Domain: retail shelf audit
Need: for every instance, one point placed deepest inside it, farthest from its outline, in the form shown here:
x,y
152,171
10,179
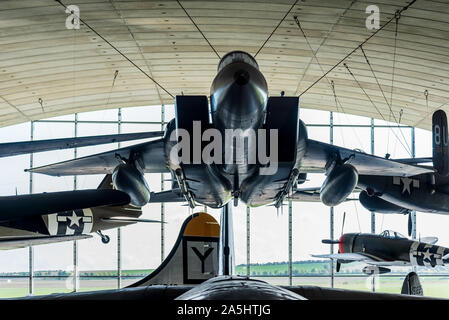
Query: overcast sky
x,y
269,229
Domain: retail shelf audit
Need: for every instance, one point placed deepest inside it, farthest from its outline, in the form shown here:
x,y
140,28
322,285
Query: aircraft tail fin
x,y
194,257
440,143
412,285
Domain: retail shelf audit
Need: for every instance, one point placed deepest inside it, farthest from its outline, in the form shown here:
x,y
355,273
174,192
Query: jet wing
x,y
415,160
16,148
319,153
167,196
22,242
152,154
344,256
311,194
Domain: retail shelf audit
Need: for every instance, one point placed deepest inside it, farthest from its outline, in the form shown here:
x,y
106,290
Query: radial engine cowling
x,y
376,204
339,184
127,178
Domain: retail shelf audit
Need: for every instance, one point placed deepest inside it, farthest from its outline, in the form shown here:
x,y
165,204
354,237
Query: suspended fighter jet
x,y
218,152
63,216
389,248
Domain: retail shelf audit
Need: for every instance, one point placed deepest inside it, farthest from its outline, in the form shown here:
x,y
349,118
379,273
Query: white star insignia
x,y
74,219
427,254
406,182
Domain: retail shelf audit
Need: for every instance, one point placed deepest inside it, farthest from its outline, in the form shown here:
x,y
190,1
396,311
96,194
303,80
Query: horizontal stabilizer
x,y
152,154
431,240
22,242
24,147
22,206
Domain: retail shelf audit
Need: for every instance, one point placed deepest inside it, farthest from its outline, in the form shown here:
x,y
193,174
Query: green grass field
x,y
275,273
433,286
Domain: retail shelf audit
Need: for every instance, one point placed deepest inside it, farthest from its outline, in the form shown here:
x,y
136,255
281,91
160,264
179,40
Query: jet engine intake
x,y
128,178
376,204
339,184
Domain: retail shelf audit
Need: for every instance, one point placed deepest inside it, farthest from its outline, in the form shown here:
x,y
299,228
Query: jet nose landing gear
x,y
104,238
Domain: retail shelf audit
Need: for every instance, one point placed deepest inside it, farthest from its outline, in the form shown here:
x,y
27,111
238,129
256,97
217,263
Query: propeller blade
x,y
410,224
16,148
343,224
338,266
328,241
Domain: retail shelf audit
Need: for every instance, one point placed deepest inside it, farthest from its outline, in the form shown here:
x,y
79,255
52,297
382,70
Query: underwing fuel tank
x,y
127,178
376,204
373,270
239,93
339,184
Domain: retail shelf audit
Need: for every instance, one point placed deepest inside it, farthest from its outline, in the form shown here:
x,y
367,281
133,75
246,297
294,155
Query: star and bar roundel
x,y
425,254
72,222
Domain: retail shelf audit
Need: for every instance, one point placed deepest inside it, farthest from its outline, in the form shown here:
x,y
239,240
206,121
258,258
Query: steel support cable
x,y
337,102
112,87
374,105
355,49
280,22
198,28
118,51
383,94
396,15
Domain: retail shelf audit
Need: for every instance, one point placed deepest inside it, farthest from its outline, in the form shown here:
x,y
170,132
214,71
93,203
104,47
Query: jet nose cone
x,y
241,77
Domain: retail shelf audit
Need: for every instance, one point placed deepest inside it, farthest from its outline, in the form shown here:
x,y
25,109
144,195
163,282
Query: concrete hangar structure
x,y
71,71
134,53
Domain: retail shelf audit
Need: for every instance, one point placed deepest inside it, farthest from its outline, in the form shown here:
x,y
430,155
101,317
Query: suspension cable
x,y
374,105
282,20
389,105
118,51
198,28
355,49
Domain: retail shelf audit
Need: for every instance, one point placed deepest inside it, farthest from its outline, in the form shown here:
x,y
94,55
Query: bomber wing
x,y
319,153
22,242
152,154
23,206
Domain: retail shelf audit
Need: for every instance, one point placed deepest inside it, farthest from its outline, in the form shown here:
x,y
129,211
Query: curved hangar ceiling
x,y
48,70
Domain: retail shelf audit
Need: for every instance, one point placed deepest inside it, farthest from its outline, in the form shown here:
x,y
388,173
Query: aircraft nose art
x,y
194,257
